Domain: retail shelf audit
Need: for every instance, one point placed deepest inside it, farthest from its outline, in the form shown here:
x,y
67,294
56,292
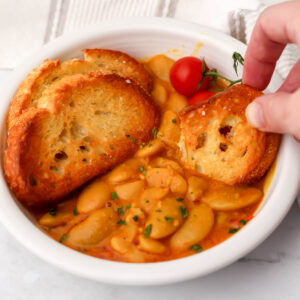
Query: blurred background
x,y
27,24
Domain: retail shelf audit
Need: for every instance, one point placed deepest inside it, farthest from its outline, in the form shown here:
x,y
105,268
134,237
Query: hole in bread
x,y
244,152
84,148
87,161
77,131
32,180
223,147
101,113
56,169
226,131
201,140
61,155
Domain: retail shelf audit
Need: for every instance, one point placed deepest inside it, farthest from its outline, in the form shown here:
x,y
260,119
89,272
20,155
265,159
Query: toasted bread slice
x,y
217,141
96,60
83,126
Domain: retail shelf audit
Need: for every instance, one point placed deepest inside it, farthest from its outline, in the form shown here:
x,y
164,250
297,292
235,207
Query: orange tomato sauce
x,y
128,237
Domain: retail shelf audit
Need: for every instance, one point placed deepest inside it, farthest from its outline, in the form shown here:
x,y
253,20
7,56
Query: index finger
x,y
276,27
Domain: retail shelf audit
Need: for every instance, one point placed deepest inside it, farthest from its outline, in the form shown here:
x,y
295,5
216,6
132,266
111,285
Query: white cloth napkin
x,y
27,24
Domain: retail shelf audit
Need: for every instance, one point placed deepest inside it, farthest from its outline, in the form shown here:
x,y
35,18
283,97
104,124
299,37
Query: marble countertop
x,y
271,271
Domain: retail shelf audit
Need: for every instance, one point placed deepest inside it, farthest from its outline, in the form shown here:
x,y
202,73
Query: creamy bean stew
x,y
150,208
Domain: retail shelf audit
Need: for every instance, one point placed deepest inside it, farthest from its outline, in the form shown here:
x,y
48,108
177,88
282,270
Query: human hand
x,y
277,26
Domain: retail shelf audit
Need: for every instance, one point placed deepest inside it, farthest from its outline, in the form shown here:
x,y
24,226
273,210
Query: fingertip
x,y
255,116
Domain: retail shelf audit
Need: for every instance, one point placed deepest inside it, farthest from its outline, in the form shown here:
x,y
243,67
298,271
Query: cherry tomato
x,y
200,97
186,74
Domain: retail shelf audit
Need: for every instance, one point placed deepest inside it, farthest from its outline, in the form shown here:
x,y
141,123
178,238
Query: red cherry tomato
x,y
186,74
200,97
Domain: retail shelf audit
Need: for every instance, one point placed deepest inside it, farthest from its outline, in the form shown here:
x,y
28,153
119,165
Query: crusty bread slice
x,y
217,140
83,126
96,60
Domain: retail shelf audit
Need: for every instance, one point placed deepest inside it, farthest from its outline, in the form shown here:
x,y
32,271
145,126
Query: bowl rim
x,y
16,221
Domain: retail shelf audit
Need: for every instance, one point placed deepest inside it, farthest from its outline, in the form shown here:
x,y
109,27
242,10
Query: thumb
x,y
277,112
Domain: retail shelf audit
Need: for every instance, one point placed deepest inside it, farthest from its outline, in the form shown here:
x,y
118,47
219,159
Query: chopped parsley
x,y
142,169
63,238
114,196
168,219
183,212
147,230
196,248
75,212
120,211
146,201
158,210
52,212
243,221
154,133
135,218
127,207
133,140
180,199
150,144
174,121
121,222
81,249
233,230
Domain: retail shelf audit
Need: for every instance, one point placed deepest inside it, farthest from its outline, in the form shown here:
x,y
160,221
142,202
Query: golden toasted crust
x,y
217,141
123,64
96,60
83,126
28,90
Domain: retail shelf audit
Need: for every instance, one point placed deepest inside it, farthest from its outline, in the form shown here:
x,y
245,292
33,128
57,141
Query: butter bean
x,y
196,227
100,224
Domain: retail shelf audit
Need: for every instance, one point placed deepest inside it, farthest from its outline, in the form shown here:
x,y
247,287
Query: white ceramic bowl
x,y
143,38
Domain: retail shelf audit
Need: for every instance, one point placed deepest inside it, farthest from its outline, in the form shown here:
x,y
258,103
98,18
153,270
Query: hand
x,y
277,26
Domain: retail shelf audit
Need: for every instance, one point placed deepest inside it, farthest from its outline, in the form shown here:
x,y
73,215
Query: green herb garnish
x,y
147,230
154,133
146,201
120,211
243,221
237,58
81,249
196,248
233,230
52,212
63,238
127,207
180,199
158,210
183,212
75,212
213,73
135,218
168,219
114,196
133,140
121,222
142,169
174,121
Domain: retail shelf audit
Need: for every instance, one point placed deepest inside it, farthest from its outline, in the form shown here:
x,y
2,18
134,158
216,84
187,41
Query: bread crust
x,y
83,126
96,60
217,141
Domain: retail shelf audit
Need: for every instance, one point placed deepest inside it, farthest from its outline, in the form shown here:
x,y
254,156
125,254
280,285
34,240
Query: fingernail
x,y
255,115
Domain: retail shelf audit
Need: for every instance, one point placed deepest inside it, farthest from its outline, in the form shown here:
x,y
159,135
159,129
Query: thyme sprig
x,y
213,73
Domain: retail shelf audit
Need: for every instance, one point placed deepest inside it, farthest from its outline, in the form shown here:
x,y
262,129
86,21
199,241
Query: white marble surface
x,y
271,271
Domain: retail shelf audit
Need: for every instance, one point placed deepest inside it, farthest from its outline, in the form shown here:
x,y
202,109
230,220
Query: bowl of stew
x,y
145,241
